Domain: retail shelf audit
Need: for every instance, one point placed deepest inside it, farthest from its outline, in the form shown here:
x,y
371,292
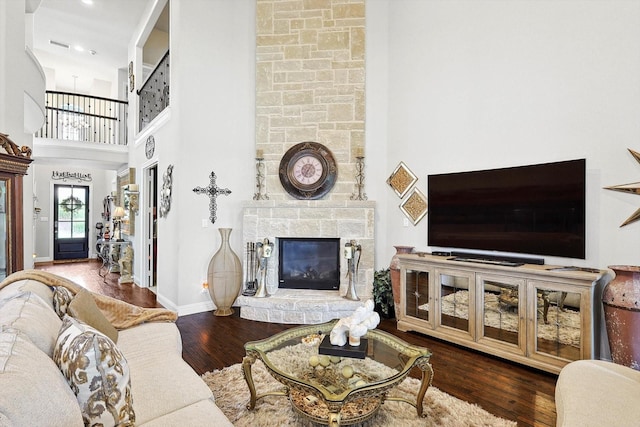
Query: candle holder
x,y
361,195
260,175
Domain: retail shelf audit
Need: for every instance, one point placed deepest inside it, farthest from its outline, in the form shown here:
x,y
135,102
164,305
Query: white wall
x,y
216,83
13,70
483,84
211,128
451,86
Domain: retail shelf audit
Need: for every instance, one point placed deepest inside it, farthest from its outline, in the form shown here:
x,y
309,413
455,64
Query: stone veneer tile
x,y
316,213
301,134
293,317
329,228
281,26
304,227
313,318
316,4
340,112
313,23
297,97
296,52
284,121
344,213
350,229
276,40
313,116
327,39
301,76
276,228
285,213
276,316
288,6
269,98
334,40
355,10
264,17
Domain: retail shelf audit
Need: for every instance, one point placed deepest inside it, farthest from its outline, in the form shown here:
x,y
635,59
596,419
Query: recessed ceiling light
x,y
89,2
79,48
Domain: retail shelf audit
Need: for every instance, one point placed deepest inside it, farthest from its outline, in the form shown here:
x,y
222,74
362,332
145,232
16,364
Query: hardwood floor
x,y
503,388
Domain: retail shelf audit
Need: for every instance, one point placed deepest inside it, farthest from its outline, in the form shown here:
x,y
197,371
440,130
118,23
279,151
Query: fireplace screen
x,y
309,263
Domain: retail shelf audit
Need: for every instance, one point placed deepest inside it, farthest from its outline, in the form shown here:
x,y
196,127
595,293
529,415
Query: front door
x,y
70,226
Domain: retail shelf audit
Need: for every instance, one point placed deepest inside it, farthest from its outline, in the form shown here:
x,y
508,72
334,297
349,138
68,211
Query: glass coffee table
x,y
336,390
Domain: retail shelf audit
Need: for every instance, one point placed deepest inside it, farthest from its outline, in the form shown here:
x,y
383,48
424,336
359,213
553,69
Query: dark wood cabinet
x,y
13,166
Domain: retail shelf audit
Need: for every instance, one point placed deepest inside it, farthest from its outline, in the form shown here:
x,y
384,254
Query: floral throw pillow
x,y
62,297
97,373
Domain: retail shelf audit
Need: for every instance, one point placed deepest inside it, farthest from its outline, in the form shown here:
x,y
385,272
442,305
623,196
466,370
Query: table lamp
x,y
118,214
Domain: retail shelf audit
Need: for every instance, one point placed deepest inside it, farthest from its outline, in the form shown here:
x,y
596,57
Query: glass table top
x,y
294,358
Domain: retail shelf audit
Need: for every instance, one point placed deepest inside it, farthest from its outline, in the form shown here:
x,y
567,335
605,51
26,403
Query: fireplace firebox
x,y
309,263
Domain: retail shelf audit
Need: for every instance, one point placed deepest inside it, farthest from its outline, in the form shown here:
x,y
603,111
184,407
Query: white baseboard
x,y
198,307
185,310
166,303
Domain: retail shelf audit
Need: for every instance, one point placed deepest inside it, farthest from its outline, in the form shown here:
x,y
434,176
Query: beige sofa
x,y
165,391
596,393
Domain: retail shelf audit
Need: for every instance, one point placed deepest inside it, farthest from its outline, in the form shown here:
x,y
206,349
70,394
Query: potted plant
x,y
383,293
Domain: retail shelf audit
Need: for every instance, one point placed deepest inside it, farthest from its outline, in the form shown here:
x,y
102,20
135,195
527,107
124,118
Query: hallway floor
x,y
87,274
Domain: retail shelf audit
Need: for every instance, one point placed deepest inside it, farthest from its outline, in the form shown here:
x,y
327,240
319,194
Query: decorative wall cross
x,y
213,192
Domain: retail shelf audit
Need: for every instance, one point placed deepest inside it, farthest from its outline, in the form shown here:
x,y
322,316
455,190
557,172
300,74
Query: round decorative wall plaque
x,y
150,147
308,170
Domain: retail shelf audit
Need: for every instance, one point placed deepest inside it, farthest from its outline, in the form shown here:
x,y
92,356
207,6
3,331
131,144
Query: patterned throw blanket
x,y
122,315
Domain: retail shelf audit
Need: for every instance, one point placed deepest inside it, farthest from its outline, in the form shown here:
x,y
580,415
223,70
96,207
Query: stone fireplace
x,y
346,220
310,86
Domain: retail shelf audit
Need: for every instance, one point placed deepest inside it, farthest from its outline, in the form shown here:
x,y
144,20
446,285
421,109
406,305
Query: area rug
x,y
232,395
563,325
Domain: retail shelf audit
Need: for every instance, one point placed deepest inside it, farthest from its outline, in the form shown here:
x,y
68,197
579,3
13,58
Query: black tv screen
x,y
535,209
309,263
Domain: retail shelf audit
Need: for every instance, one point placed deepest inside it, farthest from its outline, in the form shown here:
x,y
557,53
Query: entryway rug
x,y
232,395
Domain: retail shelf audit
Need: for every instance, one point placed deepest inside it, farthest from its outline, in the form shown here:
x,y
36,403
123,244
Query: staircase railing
x,y
154,93
75,117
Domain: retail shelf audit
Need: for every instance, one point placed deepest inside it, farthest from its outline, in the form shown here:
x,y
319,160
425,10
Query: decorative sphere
x,y
325,361
314,361
347,372
335,359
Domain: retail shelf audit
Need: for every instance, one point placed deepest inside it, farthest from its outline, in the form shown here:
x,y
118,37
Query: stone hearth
x,y
297,306
347,219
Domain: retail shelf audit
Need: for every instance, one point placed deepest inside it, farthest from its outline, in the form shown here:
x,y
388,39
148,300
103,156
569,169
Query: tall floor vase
x,y
621,301
224,276
394,268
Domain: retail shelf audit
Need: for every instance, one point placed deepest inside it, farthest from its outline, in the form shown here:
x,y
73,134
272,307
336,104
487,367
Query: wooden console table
x,y
553,315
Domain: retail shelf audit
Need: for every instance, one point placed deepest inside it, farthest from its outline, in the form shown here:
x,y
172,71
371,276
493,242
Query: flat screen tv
x,y
535,209
309,263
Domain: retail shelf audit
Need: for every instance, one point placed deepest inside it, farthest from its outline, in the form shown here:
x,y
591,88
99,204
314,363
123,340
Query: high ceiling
x,y
104,27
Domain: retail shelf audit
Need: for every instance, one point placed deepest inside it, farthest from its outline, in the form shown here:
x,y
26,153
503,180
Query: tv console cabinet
x,y
538,315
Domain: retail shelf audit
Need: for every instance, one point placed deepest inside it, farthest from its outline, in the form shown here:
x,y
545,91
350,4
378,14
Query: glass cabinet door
x,y
456,296
417,299
558,326
503,311
4,246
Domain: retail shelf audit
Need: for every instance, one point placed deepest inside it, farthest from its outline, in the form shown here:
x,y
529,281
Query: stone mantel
x,y
345,219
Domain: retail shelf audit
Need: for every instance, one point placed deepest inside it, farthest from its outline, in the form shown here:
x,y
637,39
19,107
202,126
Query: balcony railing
x,y
75,117
154,93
